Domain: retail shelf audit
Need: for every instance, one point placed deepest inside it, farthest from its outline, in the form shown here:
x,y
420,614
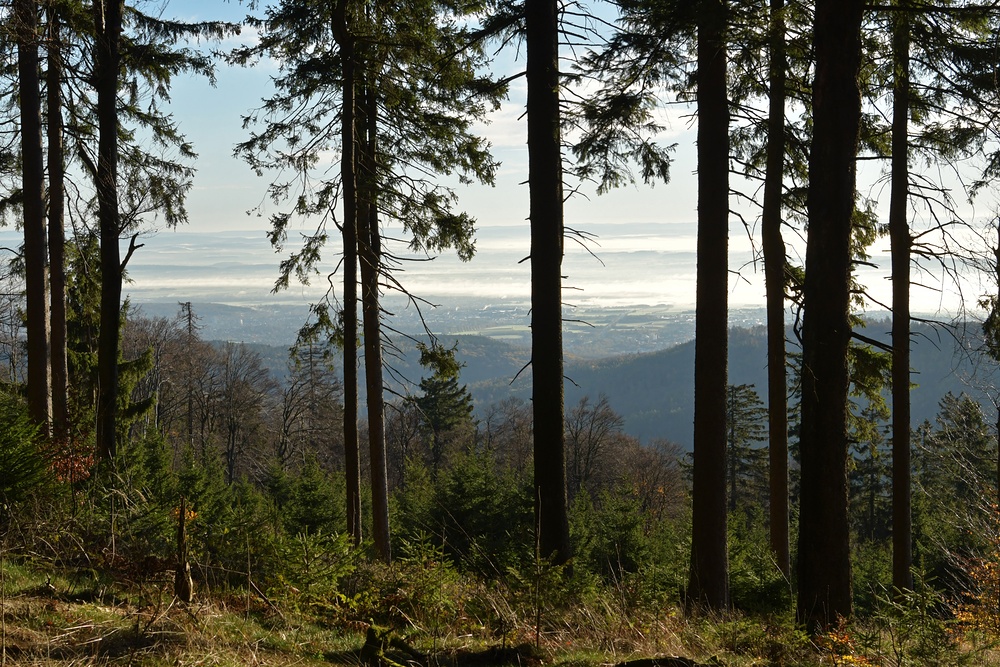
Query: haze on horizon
x,y
645,236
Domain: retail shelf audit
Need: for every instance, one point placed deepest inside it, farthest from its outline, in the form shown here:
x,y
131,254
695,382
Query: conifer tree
x,y
746,418
444,405
56,226
824,566
407,118
942,111
25,17
545,185
343,33
899,234
775,261
107,65
708,584
80,49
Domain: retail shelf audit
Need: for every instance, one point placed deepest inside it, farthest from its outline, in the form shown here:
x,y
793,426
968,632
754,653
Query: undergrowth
x,y
423,606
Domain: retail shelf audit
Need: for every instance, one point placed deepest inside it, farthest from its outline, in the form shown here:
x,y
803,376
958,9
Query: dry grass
x,y
55,620
43,627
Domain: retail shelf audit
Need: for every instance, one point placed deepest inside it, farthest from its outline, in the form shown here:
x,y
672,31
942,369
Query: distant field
x,y
588,331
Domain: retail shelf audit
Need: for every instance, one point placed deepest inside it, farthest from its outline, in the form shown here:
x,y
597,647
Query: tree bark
x,y
991,348
107,62
546,216
352,460
369,256
899,237
773,246
57,240
33,186
824,538
708,585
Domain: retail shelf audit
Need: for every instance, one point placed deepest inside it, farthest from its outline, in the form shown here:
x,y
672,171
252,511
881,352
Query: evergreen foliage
x,y
954,463
480,516
24,466
746,428
445,407
478,507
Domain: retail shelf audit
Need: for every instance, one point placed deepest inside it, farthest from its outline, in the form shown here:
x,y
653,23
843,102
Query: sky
x,y
647,224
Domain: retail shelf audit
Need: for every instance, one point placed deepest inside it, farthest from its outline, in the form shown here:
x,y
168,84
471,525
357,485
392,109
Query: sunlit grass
x,y
49,620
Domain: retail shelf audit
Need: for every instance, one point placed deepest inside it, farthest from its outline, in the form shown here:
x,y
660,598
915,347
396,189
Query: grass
x,y
80,619
51,620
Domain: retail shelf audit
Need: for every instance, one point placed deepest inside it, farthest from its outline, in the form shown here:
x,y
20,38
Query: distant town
x,y
589,332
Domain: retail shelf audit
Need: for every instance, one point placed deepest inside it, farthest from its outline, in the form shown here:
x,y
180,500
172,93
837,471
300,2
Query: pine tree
x,y
775,267
366,66
824,544
746,428
25,17
545,186
708,584
86,45
107,66
56,226
869,478
899,234
445,406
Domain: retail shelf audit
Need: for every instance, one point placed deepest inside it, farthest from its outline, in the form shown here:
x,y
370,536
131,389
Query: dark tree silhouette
x,y
708,585
32,187
900,240
107,65
546,215
56,227
824,550
775,261
343,33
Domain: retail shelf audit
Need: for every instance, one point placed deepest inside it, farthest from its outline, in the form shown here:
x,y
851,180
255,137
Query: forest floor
x,y
56,620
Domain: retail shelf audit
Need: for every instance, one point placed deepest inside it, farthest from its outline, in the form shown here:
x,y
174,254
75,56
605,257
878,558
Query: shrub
x,y
756,583
23,466
483,519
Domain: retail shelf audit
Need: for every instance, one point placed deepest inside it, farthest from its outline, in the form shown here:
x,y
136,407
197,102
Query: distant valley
x,y
641,358
591,332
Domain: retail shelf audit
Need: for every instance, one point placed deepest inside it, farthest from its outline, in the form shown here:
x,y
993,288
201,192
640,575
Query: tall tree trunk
x,y
991,345
773,246
708,585
33,187
107,59
352,460
899,237
57,239
546,216
369,255
824,536
187,312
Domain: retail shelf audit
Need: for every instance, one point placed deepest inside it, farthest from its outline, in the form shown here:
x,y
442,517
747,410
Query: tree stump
x,y
183,583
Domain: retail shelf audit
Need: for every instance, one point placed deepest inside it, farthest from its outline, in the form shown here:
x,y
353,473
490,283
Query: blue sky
x,y
225,188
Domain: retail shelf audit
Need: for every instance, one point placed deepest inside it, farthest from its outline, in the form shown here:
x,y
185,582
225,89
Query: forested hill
x,y
654,391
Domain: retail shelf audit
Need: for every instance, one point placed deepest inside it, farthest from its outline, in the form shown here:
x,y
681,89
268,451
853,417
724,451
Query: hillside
x,y
654,391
